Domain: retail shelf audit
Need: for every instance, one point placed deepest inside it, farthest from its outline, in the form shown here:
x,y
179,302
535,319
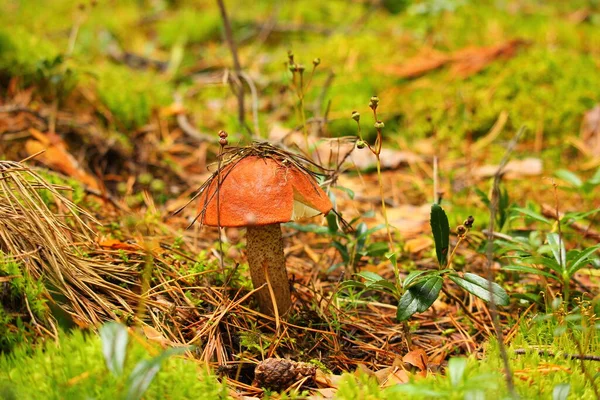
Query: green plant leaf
x,y
349,192
343,251
361,236
374,281
376,249
350,283
318,229
441,233
419,297
529,270
374,229
570,217
483,197
332,223
143,373
581,260
456,370
557,245
595,180
393,257
414,276
114,338
418,276
370,277
569,177
561,391
407,306
479,287
547,262
532,214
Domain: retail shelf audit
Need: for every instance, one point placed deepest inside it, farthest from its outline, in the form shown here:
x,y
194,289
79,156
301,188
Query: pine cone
x,y
278,373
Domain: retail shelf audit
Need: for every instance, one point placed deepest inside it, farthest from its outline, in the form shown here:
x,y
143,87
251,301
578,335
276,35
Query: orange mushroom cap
x,y
262,191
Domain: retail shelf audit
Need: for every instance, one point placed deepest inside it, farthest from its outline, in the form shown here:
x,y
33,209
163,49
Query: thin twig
x,y
591,378
185,125
586,357
236,62
254,94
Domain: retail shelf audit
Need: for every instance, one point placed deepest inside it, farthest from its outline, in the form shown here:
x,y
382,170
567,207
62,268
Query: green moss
x,y
132,95
22,53
21,298
76,370
189,25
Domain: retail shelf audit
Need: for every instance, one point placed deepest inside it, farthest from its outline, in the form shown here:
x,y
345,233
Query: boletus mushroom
x,y
261,191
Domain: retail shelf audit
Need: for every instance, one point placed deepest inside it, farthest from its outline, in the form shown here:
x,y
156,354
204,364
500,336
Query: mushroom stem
x,y
265,249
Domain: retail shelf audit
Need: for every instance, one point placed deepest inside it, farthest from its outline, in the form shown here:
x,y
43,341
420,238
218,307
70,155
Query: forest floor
x,y
109,121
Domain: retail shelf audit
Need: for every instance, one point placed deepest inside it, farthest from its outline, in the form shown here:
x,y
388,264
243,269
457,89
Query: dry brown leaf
x,y
155,336
590,131
418,244
383,373
391,376
172,109
361,368
465,62
469,61
397,377
324,380
417,358
407,219
516,168
419,65
58,158
580,15
116,244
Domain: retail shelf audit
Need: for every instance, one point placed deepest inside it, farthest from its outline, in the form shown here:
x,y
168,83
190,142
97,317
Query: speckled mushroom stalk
x,y
266,259
260,193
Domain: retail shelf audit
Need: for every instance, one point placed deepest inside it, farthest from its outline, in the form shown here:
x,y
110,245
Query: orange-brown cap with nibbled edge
x,y
262,191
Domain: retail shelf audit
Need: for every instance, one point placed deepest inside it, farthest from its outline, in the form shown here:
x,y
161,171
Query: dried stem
x,y
236,62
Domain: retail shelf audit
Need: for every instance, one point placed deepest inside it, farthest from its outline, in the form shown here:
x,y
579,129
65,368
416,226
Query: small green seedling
x,y
422,288
114,347
561,266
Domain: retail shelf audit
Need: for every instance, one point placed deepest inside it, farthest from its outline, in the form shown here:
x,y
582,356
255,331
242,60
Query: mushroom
x,y
259,193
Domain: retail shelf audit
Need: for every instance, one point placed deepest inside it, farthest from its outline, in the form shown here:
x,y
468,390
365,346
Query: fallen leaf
x,y
526,167
397,377
417,358
470,61
428,60
57,157
410,221
363,369
322,379
590,131
580,15
155,336
391,376
172,109
464,63
418,244
115,244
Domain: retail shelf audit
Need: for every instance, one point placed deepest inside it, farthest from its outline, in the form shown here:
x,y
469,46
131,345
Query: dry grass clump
x,y
50,244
